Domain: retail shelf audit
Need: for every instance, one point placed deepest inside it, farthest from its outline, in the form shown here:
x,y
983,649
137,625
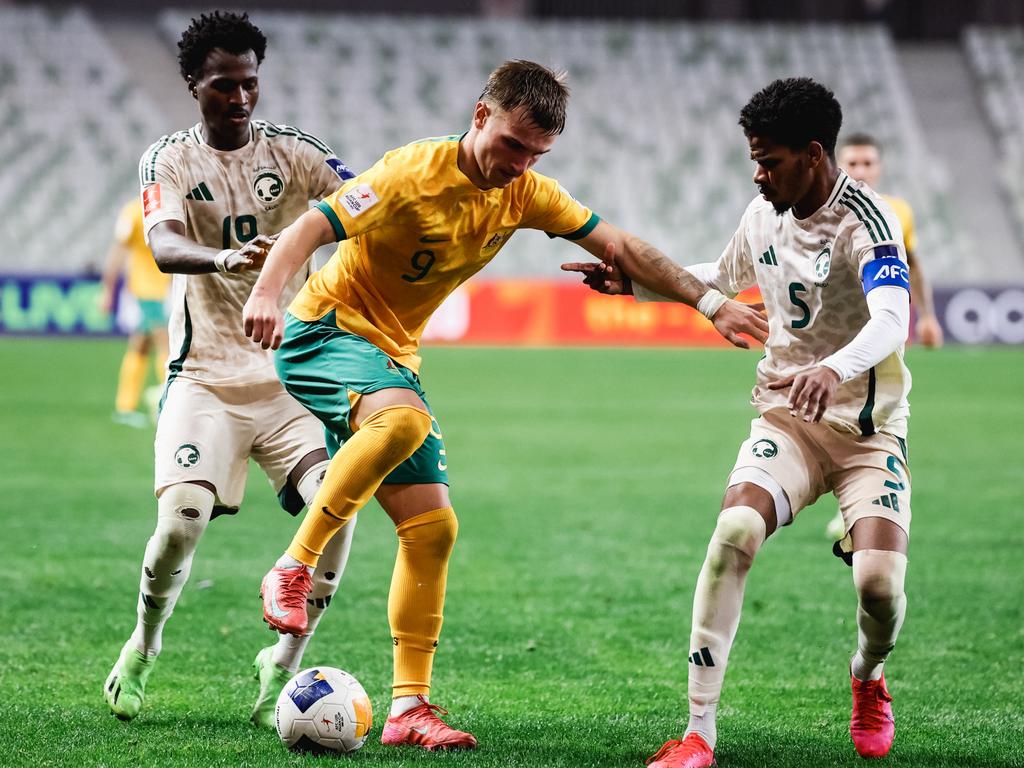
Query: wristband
x,y
710,303
220,261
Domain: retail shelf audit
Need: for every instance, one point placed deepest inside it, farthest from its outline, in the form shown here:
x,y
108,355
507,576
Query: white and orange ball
x,y
323,709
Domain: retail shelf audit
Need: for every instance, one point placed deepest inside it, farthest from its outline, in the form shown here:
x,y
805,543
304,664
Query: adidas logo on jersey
x,y
769,257
200,192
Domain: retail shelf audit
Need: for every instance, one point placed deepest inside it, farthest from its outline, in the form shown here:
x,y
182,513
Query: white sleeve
x,y
708,273
882,335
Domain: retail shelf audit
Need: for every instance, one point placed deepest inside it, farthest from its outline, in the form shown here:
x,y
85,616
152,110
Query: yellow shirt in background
x,y
906,216
145,280
413,228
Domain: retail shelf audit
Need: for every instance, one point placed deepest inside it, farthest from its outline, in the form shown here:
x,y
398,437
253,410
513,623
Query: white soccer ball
x,y
322,710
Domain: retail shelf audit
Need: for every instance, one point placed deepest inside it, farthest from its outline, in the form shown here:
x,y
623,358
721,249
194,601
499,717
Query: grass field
x,y
587,483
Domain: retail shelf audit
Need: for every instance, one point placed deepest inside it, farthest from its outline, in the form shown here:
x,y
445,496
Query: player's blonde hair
x,y
542,92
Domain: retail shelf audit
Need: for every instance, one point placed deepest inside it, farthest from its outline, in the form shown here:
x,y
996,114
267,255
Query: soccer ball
x,y
323,710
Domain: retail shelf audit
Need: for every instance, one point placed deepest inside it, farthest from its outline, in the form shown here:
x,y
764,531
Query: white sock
x,y
183,512
717,601
879,577
402,704
289,649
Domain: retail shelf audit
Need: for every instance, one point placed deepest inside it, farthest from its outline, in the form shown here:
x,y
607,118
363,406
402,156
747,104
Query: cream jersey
x,y
225,199
813,275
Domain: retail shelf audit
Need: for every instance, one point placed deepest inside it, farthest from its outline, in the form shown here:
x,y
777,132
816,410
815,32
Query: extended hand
x,y
811,392
250,256
929,332
262,321
735,317
602,276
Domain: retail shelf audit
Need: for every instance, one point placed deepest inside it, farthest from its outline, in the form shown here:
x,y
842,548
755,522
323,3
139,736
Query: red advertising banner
x,y
552,313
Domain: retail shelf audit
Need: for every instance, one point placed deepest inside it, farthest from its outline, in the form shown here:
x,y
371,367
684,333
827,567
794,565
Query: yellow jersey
x,y
906,216
145,280
412,229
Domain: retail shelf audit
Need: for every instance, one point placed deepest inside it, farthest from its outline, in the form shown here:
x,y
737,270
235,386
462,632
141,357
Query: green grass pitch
x,y
587,484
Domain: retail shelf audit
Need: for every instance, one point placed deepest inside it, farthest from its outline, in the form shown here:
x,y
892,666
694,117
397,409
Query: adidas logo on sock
x,y
702,658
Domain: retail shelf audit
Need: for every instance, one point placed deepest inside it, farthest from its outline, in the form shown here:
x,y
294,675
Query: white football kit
x,y
223,401
822,279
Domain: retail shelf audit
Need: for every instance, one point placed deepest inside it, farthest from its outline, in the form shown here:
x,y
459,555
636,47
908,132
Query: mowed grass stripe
x,y
586,482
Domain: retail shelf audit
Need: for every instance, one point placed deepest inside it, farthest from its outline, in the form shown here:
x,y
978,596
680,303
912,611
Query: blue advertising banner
x,y
53,305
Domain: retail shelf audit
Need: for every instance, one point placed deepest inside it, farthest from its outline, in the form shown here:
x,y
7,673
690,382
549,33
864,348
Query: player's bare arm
x,y
174,252
927,328
640,261
261,318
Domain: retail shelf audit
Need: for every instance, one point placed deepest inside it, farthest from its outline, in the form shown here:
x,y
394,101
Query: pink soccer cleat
x,y
691,752
421,727
871,725
284,592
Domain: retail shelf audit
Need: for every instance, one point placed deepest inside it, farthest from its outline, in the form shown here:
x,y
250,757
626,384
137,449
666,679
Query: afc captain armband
x,y
885,270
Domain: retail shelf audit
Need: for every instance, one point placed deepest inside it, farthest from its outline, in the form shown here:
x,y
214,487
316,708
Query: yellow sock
x,y
384,440
416,600
130,381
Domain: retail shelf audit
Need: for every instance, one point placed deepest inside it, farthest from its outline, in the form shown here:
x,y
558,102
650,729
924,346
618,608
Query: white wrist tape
x,y
710,303
220,261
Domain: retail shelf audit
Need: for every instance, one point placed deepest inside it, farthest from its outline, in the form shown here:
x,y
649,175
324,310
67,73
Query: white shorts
x,y
209,433
868,475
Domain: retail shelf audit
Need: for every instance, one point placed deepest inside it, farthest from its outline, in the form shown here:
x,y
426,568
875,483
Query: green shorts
x,y
152,317
321,366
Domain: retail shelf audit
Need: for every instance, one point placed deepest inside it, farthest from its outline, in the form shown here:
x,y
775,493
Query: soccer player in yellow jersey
x,y
420,222
861,156
147,286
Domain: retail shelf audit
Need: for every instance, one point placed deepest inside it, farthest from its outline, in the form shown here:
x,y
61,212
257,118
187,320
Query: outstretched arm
x,y
261,318
174,252
642,263
927,328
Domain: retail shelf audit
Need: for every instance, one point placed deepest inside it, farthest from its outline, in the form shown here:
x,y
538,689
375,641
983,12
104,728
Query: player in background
x,y
827,254
146,288
213,195
860,156
416,225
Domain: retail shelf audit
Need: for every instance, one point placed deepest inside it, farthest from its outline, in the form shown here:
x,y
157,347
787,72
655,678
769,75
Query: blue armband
x,y
887,270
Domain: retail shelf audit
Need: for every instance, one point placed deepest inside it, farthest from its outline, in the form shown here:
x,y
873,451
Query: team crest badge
x,y
496,241
765,449
822,264
268,186
187,456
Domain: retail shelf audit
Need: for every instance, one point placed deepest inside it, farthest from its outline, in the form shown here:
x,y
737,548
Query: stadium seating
x,y
71,132
651,143
996,56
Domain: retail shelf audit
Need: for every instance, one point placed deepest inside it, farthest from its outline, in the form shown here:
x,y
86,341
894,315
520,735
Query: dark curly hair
x,y
794,112
220,29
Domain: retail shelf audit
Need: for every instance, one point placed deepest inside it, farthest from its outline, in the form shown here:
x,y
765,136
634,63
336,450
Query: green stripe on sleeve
x,y
859,213
585,230
339,228
881,218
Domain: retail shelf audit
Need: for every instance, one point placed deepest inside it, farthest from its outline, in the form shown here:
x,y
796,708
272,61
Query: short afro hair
x,y
220,29
794,112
